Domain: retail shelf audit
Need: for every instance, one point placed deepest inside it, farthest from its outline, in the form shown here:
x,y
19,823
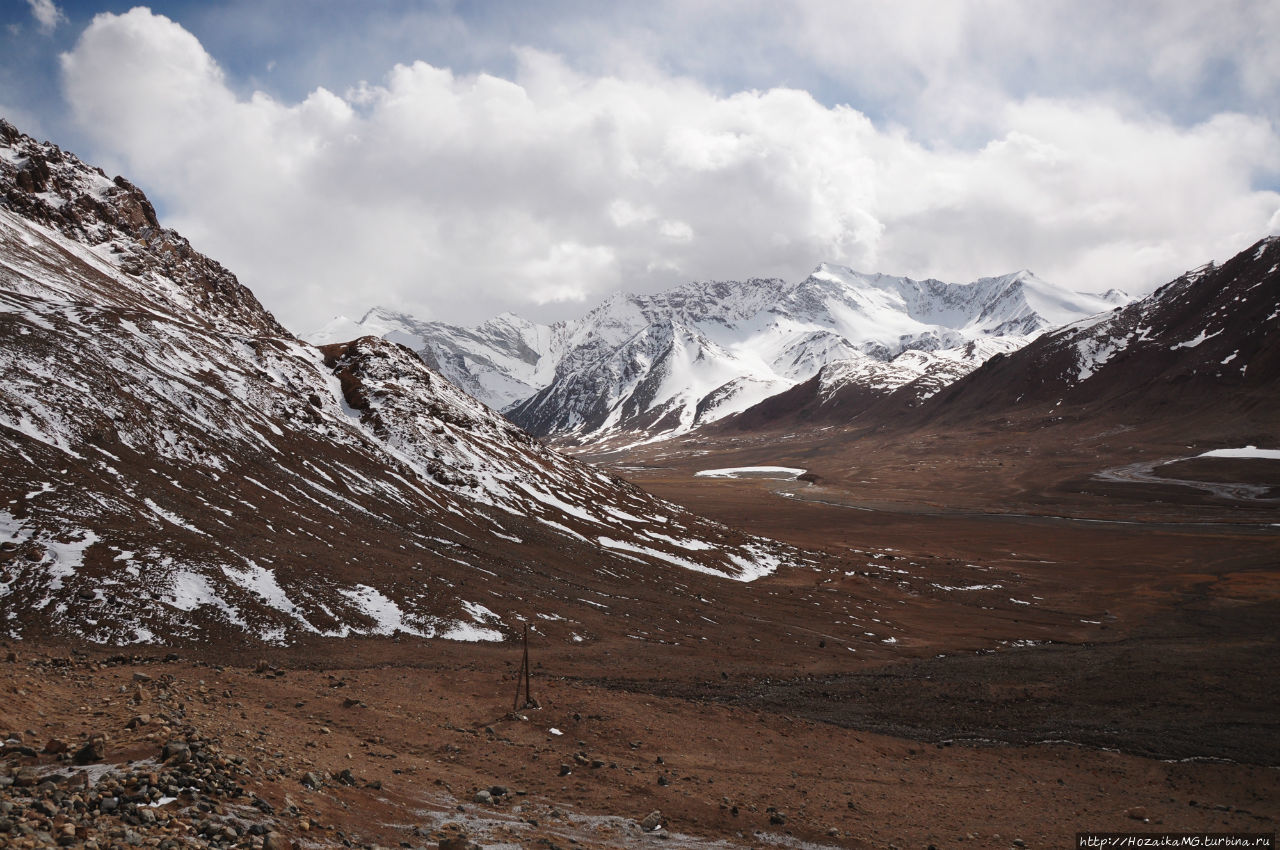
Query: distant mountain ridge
x,y
642,366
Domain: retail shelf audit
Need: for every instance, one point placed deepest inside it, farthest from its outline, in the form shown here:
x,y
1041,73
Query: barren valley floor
x,y
940,677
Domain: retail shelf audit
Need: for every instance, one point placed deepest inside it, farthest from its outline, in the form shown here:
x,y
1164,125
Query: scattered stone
x,y
483,797
311,780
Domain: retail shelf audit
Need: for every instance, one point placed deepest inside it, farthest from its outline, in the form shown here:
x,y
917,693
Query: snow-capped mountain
x,y
500,362
175,466
640,366
1206,343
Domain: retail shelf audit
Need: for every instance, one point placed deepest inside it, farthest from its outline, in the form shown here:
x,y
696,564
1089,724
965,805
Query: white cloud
x,y
463,195
47,14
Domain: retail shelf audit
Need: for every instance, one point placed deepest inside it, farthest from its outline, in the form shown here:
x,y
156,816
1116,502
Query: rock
x,y
565,770
311,780
458,842
95,749
274,841
54,746
651,821
498,790
777,818
26,777
175,753
108,804
1137,812
483,797
138,720
346,777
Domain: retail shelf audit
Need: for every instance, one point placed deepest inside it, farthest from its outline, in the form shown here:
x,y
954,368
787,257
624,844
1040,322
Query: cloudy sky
x,y
461,159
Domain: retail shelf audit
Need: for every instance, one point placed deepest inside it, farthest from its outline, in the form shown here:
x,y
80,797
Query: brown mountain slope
x,y
177,467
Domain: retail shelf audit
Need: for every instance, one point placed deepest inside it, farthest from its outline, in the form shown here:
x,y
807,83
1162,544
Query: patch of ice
x,y
782,472
1247,451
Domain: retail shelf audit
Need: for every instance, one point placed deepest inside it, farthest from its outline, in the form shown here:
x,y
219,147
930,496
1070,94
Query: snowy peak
x,y
1018,303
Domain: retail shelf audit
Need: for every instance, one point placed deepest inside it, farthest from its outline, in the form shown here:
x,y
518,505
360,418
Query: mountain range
x,y
178,467
644,366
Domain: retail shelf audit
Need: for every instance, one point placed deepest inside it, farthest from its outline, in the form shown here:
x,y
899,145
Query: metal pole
x,y
528,696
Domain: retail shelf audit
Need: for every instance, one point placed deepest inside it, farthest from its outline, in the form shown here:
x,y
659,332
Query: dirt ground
x,y
946,675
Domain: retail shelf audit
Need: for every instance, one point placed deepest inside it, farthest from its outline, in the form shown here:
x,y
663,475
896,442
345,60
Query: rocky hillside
x,y
1203,350
177,467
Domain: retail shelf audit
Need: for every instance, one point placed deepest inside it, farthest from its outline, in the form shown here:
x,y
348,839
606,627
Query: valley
x,y
943,675
985,565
